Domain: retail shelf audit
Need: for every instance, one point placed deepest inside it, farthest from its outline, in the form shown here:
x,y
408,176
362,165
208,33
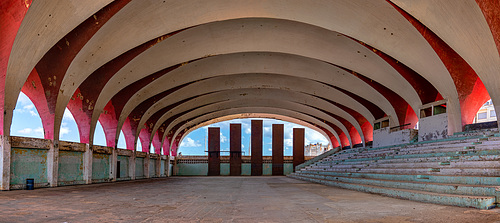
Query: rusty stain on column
x,y
213,151
256,148
235,149
278,131
298,146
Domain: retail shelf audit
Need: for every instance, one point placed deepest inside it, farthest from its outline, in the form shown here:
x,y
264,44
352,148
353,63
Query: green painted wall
x,y
288,168
28,163
139,167
224,169
162,167
152,167
246,169
192,169
100,167
70,168
123,166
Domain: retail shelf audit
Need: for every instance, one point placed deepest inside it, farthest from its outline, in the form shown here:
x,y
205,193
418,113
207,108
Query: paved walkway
x,y
221,199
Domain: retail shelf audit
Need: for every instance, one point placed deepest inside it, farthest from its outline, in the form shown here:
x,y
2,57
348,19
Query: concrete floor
x,y
221,199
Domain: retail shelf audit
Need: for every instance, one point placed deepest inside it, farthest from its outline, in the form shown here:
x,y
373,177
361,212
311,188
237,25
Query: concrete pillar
x,y
213,151
256,147
298,146
235,149
113,167
278,132
87,164
53,163
167,166
146,166
5,152
131,166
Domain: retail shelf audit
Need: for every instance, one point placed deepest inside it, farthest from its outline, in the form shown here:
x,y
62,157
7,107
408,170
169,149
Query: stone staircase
x,y
461,170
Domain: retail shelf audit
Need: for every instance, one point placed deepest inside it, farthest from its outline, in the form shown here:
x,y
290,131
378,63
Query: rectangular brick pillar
x,y
235,149
87,164
5,151
213,151
256,147
298,146
278,132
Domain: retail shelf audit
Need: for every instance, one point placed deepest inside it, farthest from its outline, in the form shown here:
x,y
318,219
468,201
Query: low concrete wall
x,y
386,137
198,166
70,168
124,167
28,163
433,127
139,167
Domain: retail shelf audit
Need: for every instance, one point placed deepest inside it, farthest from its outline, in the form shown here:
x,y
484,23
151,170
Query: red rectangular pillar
x,y
213,151
235,149
256,147
278,131
298,146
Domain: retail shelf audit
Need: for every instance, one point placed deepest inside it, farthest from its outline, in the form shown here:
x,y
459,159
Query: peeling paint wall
x,y
28,163
384,137
124,165
162,167
433,127
70,168
100,168
139,168
152,168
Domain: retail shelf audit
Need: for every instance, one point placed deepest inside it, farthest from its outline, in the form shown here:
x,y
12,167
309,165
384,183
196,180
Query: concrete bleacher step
x,y
462,189
430,178
420,170
481,202
432,164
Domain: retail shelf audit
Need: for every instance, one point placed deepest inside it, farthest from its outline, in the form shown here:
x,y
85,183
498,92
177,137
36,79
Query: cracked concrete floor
x,y
221,199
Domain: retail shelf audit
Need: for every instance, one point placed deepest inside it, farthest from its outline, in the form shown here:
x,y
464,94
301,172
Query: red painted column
x,y
256,147
213,151
278,132
298,146
235,149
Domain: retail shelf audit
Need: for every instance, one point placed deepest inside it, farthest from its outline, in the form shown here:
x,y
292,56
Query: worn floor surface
x,y
221,199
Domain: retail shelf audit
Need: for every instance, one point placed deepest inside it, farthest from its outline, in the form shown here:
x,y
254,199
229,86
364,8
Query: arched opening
x,y
121,141
26,121
138,146
196,142
69,129
99,136
486,113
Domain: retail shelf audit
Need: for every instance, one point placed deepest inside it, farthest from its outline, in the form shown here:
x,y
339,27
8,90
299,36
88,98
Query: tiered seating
x,y
461,171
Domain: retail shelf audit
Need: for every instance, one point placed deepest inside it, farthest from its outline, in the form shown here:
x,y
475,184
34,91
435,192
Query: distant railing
x,y
317,158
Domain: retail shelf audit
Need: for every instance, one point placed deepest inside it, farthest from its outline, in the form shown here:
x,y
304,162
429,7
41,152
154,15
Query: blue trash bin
x,y
30,184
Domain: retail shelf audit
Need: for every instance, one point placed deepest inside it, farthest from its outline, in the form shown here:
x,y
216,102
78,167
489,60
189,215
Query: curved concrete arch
x,y
264,81
233,111
249,80
321,117
375,30
249,94
45,23
250,62
258,115
460,22
231,37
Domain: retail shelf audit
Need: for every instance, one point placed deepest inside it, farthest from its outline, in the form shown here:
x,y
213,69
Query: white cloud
x,y
23,99
33,113
188,142
28,107
223,138
248,130
39,131
25,131
242,146
64,131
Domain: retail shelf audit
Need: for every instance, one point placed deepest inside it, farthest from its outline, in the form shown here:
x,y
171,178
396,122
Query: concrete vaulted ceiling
x,y
156,70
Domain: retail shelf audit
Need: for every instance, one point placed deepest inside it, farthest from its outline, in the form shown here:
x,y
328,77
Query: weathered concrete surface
x,y
433,127
222,199
384,137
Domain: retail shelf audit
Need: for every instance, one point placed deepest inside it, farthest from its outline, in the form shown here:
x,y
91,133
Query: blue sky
x,y
26,122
